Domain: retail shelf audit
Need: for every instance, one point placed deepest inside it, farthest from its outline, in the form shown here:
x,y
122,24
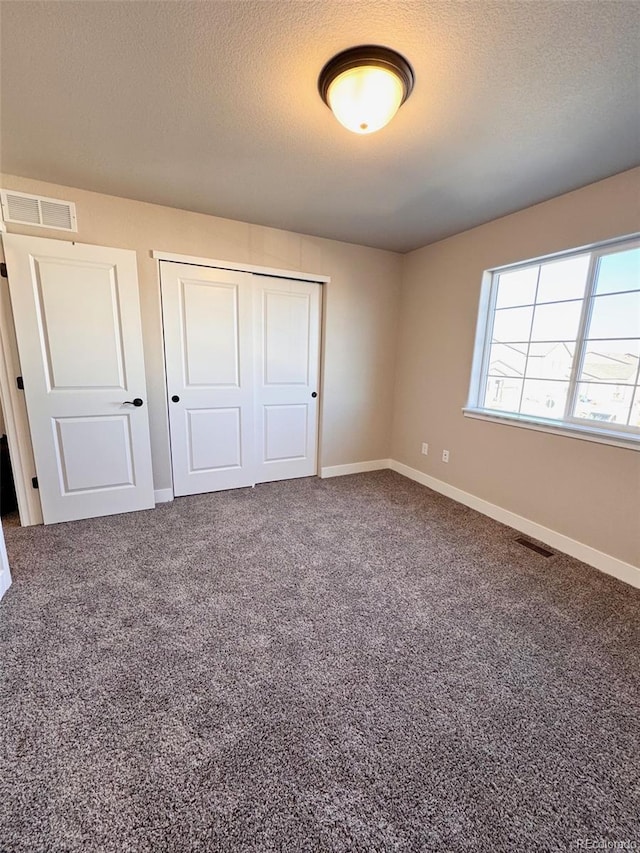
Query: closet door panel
x,y
287,338
209,363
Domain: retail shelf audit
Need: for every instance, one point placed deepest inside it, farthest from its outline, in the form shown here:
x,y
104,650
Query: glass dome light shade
x,y
364,99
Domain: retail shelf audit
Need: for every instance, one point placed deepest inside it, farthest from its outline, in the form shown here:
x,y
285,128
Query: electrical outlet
x,y
425,448
445,455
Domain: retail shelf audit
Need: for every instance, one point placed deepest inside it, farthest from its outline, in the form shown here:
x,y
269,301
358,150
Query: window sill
x,y
585,433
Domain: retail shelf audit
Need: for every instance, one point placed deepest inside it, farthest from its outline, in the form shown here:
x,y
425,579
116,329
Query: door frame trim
x,y
230,265
15,438
17,426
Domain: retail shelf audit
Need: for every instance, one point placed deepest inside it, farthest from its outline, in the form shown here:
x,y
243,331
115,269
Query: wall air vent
x,y
27,209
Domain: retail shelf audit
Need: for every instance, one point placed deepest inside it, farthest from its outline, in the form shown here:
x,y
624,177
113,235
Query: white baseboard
x,y
598,559
5,582
355,468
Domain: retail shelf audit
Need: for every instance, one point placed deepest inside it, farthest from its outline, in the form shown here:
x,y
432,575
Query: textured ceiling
x,y
212,106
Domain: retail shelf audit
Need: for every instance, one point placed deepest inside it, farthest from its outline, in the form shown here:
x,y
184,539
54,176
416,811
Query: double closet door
x,y
242,361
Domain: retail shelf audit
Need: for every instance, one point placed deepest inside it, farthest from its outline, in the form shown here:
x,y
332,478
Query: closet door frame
x,y
313,278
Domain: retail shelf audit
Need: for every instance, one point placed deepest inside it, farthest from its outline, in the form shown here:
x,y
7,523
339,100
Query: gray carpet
x,y
356,664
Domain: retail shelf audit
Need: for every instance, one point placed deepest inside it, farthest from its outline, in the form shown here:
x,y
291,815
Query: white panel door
x,y
77,319
287,330
209,362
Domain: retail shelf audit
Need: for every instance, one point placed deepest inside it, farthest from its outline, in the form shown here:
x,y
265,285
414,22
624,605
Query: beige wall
x,y
361,308
588,491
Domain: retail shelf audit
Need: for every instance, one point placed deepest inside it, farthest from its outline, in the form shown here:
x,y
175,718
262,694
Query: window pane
x,y
615,316
603,403
563,340
507,359
619,271
544,398
563,279
517,288
551,361
611,361
503,394
634,415
512,324
556,322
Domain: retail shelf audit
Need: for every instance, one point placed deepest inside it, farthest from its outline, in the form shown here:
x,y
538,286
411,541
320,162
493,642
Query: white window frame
x,y
568,425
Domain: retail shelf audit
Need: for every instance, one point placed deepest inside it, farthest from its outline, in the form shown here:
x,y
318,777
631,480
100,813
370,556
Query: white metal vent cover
x,y
36,210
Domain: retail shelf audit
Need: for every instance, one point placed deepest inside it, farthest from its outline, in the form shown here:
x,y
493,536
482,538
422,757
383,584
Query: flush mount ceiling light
x,y
365,86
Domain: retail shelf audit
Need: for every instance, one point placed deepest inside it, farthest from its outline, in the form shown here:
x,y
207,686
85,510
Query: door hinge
x,y
3,270
20,383
34,482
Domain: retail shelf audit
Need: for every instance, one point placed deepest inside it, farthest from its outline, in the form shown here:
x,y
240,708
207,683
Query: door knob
x,y
135,402
175,398
314,394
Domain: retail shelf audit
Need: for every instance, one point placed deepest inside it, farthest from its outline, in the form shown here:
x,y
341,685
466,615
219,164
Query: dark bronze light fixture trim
x,y
367,54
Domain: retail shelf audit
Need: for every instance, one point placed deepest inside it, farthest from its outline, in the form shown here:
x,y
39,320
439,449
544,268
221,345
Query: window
x,y
558,344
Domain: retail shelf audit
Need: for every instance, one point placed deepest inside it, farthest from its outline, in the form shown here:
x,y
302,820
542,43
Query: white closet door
x,y
209,363
287,330
77,319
